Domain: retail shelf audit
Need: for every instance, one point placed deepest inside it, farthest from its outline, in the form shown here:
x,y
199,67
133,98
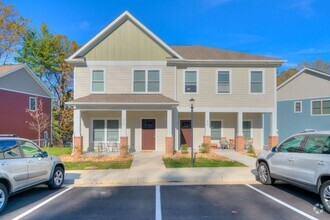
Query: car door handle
x,y
321,163
291,159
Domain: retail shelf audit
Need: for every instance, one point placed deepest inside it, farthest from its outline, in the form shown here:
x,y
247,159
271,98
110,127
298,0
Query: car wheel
x,y
325,195
57,179
3,197
264,174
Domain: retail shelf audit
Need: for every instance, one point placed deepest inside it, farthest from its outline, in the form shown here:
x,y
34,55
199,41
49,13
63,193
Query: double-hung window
x,y
321,107
247,129
223,83
190,82
97,81
106,130
256,81
298,106
146,81
32,104
215,130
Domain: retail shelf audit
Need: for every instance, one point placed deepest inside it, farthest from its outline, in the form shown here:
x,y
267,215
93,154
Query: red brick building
x,y
19,90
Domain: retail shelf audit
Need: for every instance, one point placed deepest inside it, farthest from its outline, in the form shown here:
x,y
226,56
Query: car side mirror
x,y
274,149
44,154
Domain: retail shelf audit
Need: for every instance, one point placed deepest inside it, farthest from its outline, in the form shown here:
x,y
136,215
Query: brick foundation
x,y
239,143
169,145
123,141
272,141
78,145
207,140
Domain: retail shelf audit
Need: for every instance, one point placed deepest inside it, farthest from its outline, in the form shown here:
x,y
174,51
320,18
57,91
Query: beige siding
x,y
127,42
22,81
133,126
119,79
306,85
257,130
240,97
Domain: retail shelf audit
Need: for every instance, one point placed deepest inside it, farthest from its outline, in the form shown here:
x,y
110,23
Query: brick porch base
x,y
272,141
169,145
78,145
239,143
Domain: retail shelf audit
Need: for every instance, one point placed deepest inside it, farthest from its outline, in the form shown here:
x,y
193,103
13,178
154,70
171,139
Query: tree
x,y
318,64
40,120
12,29
286,74
45,53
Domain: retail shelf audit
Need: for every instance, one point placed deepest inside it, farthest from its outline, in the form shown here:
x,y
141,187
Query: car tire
x,y
264,174
57,179
3,197
325,195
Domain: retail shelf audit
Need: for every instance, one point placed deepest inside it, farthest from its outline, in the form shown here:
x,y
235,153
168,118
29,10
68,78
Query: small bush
x,y
204,148
184,148
251,150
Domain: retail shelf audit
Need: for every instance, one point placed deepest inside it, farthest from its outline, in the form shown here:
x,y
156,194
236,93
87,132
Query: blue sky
x,y
294,30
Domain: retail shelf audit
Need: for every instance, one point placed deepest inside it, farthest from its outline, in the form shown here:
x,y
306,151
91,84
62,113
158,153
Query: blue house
x,y
303,102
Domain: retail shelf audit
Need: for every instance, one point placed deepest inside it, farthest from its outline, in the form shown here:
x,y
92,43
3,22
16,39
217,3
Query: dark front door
x,y
148,134
185,127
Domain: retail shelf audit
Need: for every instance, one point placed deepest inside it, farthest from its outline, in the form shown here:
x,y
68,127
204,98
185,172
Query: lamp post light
x,y
192,101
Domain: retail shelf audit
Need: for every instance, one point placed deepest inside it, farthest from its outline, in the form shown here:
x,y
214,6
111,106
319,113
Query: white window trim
x,y
230,81
35,105
184,80
318,100
294,107
91,81
251,130
146,80
263,82
105,131
212,140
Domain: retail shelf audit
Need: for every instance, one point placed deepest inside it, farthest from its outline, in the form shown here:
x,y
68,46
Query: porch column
x,y
77,138
123,135
273,136
169,136
239,136
176,128
207,136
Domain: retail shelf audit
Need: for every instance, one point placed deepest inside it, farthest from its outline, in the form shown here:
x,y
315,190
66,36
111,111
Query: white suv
x,y
302,160
23,164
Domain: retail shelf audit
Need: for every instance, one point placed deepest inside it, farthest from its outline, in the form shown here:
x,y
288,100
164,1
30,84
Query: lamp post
x,y
192,100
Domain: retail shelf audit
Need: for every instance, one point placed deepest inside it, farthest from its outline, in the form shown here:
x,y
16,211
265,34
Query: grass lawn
x,y
199,162
99,165
58,151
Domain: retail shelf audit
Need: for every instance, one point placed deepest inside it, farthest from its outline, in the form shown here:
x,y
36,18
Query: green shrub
x,y
204,148
184,148
251,150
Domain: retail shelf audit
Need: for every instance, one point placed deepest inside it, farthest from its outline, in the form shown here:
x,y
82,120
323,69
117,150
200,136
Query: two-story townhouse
x,y
304,102
132,88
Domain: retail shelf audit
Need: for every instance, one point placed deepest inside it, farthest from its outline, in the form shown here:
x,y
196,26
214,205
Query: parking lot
x,y
281,201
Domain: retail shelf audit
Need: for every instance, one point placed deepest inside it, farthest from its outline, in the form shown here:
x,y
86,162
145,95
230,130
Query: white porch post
x,y
169,123
239,123
176,128
76,123
273,124
123,123
207,124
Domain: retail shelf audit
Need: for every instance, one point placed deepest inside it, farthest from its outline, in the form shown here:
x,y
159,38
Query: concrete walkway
x,y
148,169
233,155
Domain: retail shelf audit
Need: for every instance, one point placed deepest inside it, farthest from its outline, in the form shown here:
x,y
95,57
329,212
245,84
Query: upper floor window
x,y
297,106
146,81
256,81
223,85
32,104
321,107
190,81
98,81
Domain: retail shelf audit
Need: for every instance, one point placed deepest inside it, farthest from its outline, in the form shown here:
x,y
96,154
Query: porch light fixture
x,y
192,101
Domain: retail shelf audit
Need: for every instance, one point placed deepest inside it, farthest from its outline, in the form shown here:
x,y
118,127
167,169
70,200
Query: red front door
x,y
185,126
148,134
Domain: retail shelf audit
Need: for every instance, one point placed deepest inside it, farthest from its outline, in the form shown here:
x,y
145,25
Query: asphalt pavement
x,y
281,201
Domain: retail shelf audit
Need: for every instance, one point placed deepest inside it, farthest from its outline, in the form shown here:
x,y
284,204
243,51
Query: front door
x,y
148,134
185,127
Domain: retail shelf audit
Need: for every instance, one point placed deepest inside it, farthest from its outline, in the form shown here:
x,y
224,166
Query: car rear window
x,y
9,150
317,144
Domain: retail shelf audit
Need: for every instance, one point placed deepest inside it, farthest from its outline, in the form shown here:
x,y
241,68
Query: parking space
x,y
173,202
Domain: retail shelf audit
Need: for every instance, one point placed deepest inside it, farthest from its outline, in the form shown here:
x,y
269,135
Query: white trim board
x,y
111,27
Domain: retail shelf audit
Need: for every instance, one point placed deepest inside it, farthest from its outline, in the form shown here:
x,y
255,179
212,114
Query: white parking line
x,y
282,203
41,204
158,204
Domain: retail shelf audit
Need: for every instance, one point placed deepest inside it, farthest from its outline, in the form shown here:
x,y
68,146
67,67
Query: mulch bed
x,y
101,158
211,155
